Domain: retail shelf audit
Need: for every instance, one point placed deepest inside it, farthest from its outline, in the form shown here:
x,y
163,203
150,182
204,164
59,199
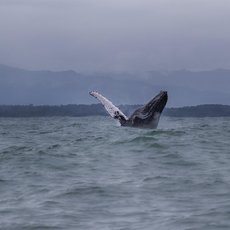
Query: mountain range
x,y
185,88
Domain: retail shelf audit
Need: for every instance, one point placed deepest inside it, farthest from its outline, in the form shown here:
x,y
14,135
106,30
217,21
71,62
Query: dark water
x,y
88,173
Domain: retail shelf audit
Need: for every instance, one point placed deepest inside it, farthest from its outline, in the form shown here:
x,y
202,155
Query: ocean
x,y
89,173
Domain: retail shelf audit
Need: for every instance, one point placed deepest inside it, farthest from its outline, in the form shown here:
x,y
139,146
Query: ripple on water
x,y
86,173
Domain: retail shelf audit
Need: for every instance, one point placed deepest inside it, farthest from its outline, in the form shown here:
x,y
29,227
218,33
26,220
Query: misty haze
x,y
127,50
65,164
185,87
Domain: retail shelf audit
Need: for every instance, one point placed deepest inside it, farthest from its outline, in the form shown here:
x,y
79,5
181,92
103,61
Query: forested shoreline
x,y
98,110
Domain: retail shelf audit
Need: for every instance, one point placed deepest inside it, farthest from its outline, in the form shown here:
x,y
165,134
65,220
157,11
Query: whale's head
x,y
148,116
157,104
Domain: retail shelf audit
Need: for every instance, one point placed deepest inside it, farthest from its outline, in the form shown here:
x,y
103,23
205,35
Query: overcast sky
x,y
115,35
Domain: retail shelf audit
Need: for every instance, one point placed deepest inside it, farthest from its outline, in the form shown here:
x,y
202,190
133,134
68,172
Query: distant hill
x,y
185,88
98,110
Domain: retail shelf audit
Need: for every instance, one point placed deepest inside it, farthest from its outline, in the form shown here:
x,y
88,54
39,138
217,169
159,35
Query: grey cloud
x,y
100,35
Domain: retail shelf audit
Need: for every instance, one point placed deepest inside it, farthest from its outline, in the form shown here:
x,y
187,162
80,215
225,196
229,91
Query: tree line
x,y
98,110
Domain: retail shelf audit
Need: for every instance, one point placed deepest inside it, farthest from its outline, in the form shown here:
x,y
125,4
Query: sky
x,y
115,35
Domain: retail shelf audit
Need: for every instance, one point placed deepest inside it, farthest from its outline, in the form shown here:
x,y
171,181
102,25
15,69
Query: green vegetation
x,y
97,109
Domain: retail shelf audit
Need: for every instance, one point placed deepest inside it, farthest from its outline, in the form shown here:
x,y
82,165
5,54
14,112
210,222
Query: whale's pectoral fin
x,y
109,107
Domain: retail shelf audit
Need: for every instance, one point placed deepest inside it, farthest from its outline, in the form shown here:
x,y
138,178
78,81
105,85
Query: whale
x,y
147,116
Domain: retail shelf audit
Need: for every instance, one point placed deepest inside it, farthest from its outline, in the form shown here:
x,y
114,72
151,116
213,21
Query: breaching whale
x,y
146,116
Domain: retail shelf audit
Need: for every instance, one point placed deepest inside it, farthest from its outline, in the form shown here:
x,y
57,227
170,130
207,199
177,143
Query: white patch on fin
x,y
109,106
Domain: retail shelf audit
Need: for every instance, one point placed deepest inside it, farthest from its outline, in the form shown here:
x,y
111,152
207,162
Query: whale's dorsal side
x,y
112,110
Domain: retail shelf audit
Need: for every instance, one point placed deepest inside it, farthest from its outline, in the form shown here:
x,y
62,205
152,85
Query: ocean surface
x,y
89,173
